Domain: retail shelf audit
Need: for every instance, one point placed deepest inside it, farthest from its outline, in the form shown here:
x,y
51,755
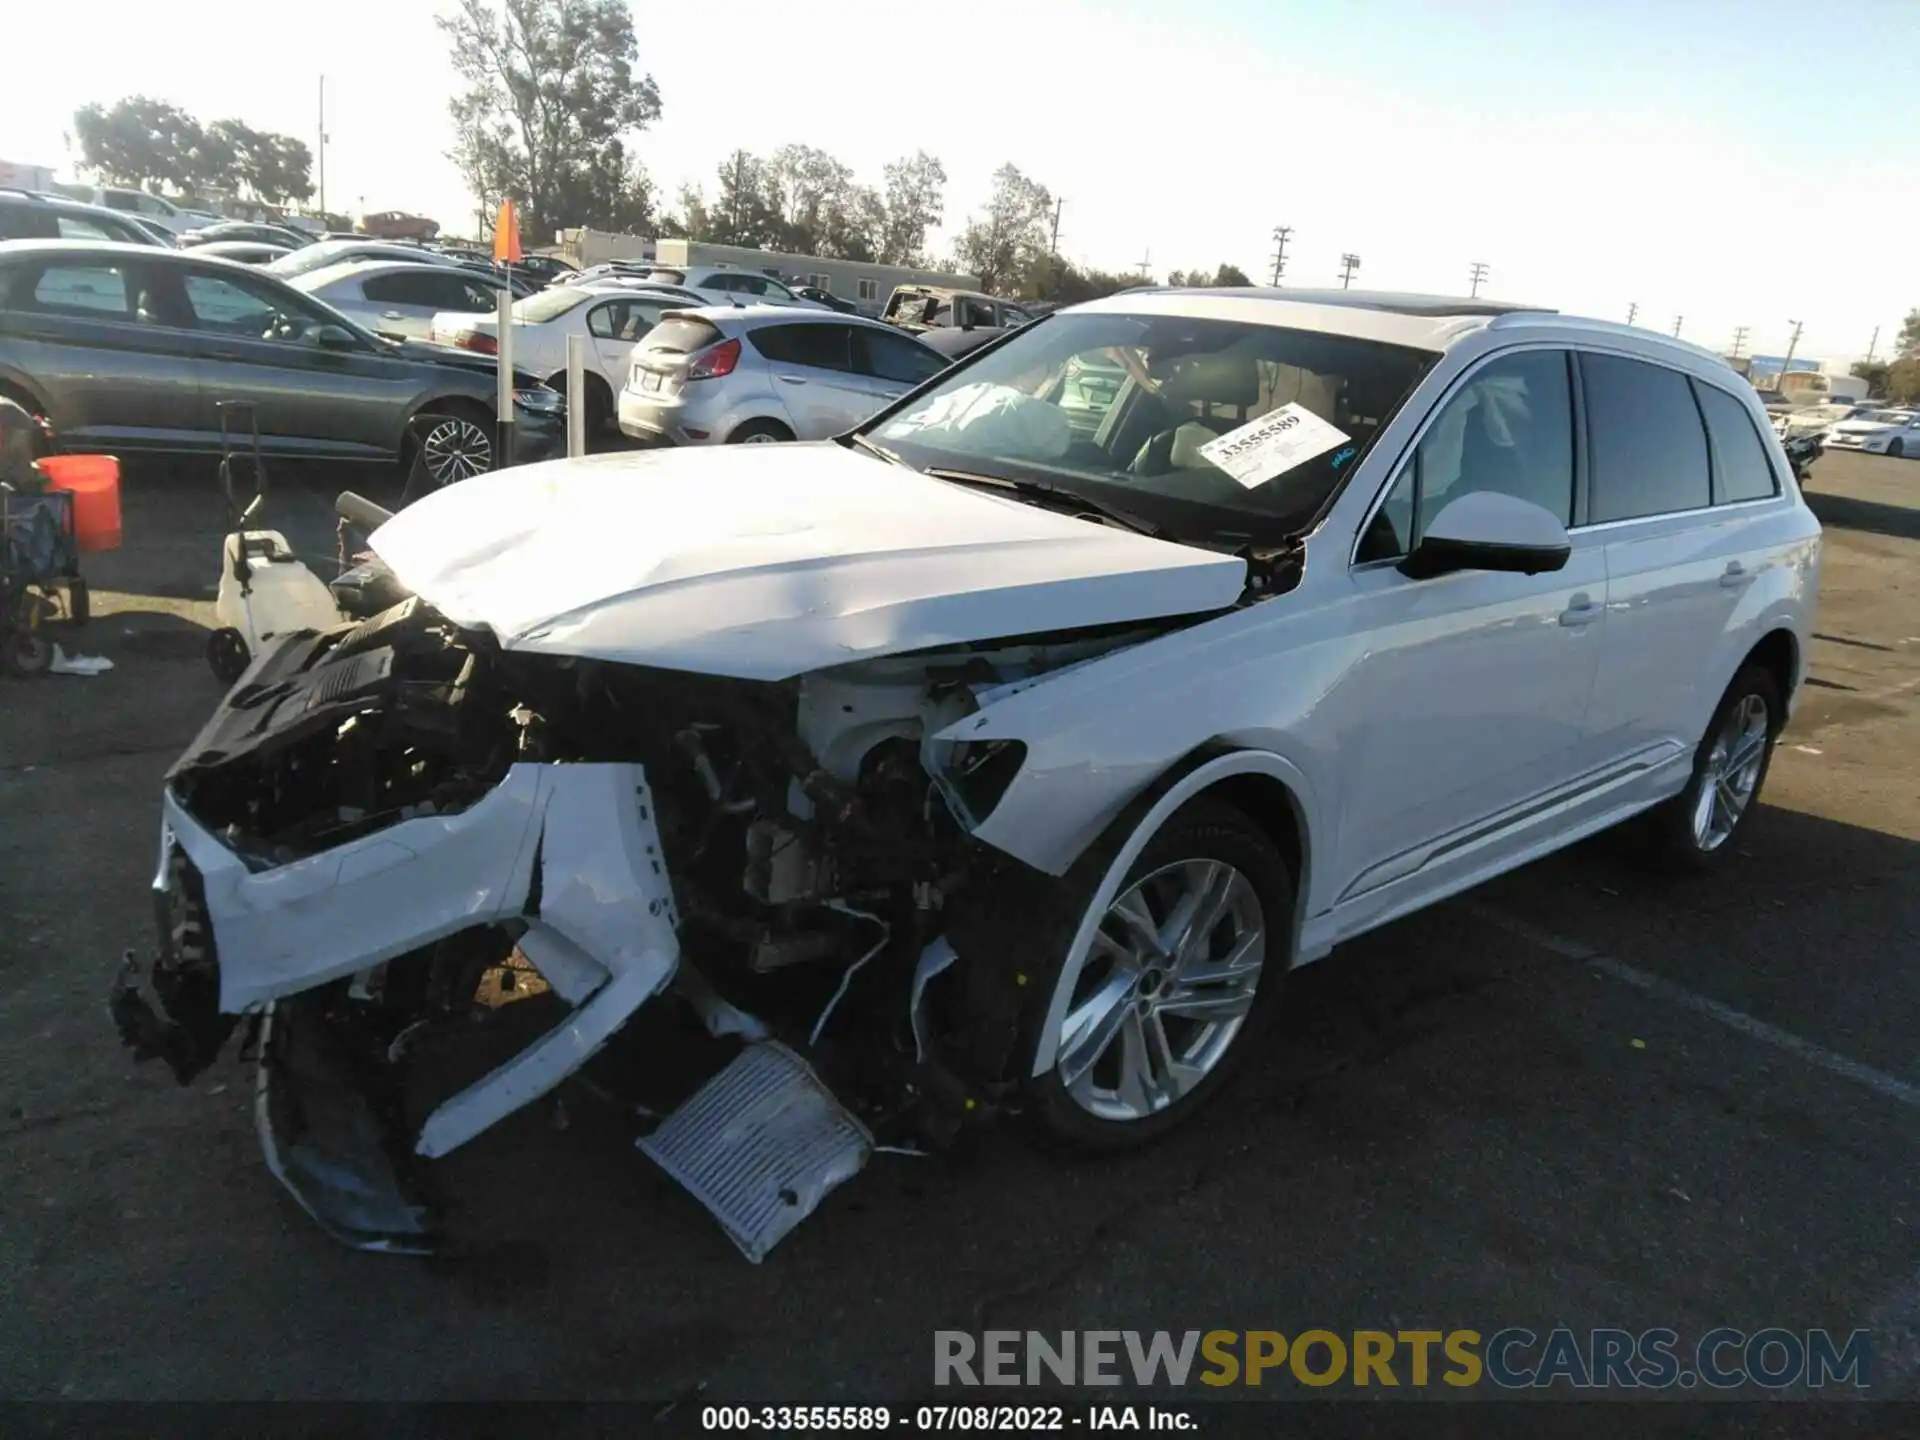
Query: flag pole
x,y
506,246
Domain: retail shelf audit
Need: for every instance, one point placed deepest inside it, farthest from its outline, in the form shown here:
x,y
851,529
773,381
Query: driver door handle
x,y
391,315
790,379
1580,611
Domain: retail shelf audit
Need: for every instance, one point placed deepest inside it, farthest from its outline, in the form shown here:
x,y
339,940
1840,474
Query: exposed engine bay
x,y
382,821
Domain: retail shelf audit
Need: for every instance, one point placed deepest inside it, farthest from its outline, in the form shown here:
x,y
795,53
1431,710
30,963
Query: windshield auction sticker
x,y
1272,445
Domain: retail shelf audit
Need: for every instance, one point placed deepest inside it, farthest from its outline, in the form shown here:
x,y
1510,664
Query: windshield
x,y
1155,414
546,305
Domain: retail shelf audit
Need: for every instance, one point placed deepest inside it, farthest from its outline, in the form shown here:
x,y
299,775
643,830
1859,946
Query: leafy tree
x,y
1874,372
742,213
1903,380
1907,345
915,202
1061,281
1007,244
139,142
552,98
143,142
1225,275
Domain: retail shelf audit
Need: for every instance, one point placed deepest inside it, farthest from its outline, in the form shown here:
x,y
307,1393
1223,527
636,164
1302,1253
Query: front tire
x,y
1896,449
1183,973
1697,830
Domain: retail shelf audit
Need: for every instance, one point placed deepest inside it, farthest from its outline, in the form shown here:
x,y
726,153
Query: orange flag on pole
x,y
506,235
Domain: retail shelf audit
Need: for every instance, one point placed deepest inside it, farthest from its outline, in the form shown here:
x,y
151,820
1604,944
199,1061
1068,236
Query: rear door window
x,y
895,358
425,292
89,291
1741,468
1646,440
823,347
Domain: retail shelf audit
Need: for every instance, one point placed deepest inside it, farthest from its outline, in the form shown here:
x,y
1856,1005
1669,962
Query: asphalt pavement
x,y
1580,1096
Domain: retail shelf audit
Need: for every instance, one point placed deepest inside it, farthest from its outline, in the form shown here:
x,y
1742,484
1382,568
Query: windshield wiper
x,y
872,449
1062,499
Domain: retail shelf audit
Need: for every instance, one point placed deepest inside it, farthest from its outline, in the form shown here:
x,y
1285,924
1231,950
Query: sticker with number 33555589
x,y
1272,445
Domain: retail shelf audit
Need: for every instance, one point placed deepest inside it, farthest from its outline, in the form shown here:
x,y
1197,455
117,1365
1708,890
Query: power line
x,y
1280,234
1479,274
1348,264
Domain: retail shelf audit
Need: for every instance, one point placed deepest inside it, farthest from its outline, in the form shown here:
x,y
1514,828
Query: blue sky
x,y
1735,164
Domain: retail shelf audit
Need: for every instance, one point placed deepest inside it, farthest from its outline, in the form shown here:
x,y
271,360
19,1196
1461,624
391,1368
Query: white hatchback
x,y
1006,754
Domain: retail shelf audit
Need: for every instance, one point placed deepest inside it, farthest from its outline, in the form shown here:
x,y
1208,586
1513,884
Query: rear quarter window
x,y
1741,467
1648,446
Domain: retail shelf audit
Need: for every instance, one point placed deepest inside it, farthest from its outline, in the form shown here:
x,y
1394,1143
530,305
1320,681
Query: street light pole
x,y
320,155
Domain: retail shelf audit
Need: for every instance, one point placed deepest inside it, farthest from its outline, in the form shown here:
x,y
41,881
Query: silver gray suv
x,y
766,372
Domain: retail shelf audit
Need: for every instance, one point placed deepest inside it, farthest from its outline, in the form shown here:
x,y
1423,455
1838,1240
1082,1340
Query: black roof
x,y
1384,300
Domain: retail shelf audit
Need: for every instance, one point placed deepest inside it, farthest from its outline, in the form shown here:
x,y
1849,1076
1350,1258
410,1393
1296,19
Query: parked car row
x,y
128,348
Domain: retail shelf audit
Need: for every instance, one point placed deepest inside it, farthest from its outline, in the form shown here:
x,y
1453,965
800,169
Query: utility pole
x,y
1793,342
1676,325
1348,264
1053,247
1739,340
1479,274
1280,234
1146,266
320,155
1871,344
1632,310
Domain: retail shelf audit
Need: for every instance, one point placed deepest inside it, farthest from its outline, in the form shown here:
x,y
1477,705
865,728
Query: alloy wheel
x,y
1732,773
1167,985
456,449
760,437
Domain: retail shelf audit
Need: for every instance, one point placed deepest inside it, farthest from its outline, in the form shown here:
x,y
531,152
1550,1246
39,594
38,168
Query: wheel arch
x,y
1778,653
18,387
1266,787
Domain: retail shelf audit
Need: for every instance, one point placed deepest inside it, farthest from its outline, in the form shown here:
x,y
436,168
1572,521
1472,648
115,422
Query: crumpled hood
x,y
769,561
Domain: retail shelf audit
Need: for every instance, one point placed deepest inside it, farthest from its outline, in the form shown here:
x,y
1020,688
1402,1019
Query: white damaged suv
x,y
1000,756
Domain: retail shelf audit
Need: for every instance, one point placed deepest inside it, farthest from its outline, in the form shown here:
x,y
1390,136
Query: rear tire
x,y
1699,829
759,432
1896,449
1178,1014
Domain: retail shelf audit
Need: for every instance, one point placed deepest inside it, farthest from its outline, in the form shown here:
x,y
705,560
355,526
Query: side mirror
x,y
335,337
1488,531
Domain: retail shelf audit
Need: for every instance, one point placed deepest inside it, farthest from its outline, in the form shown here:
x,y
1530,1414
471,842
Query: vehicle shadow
x,y
1849,512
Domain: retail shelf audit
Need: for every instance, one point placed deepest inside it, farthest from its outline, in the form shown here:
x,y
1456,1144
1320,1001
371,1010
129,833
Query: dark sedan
x,y
128,349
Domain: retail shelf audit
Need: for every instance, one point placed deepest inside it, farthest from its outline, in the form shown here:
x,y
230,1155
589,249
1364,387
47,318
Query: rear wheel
x,y
1182,972
1695,831
1897,449
759,432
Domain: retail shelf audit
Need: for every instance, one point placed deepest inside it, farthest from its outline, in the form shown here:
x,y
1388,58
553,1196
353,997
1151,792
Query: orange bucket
x,y
94,482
